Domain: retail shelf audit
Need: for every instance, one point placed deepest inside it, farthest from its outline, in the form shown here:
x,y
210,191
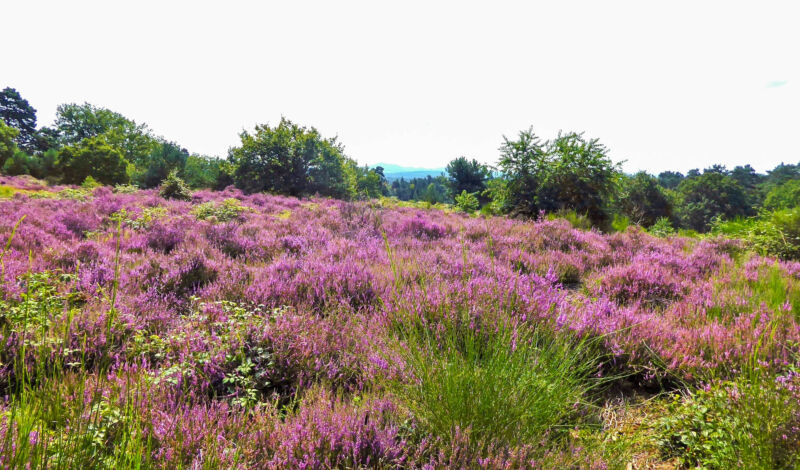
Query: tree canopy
x,y
289,159
19,114
95,157
467,175
568,172
709,195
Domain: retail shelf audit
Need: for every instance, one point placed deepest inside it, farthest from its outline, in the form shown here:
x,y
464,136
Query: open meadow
x,y
259,331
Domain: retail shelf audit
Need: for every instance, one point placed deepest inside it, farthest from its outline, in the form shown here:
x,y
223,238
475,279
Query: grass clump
x,y
504,386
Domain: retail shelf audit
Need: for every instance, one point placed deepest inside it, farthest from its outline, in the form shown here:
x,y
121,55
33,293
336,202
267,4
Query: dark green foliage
x,y
20,164
747,177
94,157
19,114
782,173
164,158
289,159
712,194
567,173
46,139
419,189
670,179
174,188
643,201
467,175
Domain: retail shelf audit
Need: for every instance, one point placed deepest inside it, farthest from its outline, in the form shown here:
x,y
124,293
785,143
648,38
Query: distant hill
x,y
393,172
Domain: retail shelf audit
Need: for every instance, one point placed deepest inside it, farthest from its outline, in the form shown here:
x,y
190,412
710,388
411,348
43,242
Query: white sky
x,y
676,85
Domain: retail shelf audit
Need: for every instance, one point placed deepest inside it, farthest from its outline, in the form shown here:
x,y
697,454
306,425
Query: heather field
x,y
258,331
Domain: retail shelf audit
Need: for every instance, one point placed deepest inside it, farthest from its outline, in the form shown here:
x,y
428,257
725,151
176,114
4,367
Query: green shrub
x,y
773,233
751,423
174,188
620,222
579,221
125,189
467,202
224,211
662,228
90,183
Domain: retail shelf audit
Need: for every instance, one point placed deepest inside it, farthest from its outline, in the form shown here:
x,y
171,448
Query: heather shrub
x,y
227,239
163,237
79,221
421,227
638,282
190,272
327,432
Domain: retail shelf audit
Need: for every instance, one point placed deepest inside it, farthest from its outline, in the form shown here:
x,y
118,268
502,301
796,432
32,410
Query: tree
x,y
75,122
20,115
569,172
711,195
643,201
784,196
201,172
369,182
95,157
749,180
174,188
523,162
467,175
164,158
8,145
434,194
783,173
670,179
289,159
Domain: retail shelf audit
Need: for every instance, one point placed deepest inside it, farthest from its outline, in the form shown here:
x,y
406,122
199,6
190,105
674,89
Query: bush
x,y
662,227
174,188
225,211
90,183
467,202
773,233
750,423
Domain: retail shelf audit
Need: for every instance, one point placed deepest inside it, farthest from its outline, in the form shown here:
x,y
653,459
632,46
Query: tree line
x,y
532,176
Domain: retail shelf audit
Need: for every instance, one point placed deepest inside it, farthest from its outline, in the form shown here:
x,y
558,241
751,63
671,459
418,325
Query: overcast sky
x,y
674,86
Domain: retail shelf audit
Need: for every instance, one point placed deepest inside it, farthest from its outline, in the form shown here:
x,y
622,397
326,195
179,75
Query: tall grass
x,y
504,385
